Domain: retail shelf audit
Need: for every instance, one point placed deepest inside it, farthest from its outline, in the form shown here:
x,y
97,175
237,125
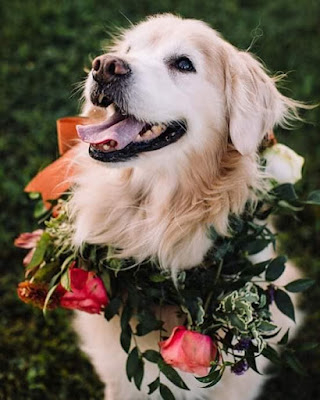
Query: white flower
x,y
283,164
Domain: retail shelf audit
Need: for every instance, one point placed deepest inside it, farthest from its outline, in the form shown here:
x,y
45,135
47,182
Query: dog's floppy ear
x,y
254,105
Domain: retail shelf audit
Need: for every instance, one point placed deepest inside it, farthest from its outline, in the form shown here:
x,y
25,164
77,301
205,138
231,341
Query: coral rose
x,y
189,351
28,240
87,292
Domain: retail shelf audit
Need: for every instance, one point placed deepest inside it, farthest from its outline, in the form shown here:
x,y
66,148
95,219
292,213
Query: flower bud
x,y
283,164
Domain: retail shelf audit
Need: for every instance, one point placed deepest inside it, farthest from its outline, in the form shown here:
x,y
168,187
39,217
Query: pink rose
x,y
28,240
189,351
87,292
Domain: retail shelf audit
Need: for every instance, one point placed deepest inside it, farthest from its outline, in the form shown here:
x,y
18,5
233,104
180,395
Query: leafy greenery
x,y
44,47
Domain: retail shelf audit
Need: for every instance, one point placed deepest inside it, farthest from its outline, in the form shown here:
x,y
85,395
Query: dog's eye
x,y
183,64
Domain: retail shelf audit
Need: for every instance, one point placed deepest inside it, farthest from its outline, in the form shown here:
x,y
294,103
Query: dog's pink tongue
x,y
120,132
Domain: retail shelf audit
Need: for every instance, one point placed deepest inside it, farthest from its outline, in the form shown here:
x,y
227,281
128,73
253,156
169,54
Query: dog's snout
x,y
106,67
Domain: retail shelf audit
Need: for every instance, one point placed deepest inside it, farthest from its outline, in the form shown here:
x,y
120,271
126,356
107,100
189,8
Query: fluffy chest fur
x,y
157,213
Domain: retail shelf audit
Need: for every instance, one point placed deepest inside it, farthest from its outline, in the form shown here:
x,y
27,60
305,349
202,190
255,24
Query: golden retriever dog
x,y
179,117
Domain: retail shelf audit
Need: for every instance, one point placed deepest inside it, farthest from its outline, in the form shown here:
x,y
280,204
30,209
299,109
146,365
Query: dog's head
x,y
170,86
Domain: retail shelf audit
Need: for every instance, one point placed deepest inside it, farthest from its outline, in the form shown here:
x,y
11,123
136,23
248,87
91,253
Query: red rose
x,y
87,292
189,351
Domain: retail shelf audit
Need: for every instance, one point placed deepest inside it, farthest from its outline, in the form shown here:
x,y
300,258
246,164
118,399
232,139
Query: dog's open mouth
x,y
122,136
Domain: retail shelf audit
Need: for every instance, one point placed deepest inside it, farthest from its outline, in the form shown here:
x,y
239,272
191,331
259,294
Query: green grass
x,y
45,46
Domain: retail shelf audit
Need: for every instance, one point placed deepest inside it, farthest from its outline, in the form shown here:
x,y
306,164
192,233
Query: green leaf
x,y
284,303
213,235
284,204
215,380
286,192
266,326
125,338
39,210
275,268
251,359
65,281
148,325
132,363
105,276
47,299
307,347
40,251
126,331
138,376
237,322
126,316
152,356
34,195
314,198
271,354
300,285
274,334
209,378
158,278
165,392
256,269
113,308
153,386
294,363
172,375
46,272
194,306
256,246
285,338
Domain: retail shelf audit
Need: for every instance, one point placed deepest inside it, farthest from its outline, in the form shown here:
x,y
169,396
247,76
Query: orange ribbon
x,y
54,180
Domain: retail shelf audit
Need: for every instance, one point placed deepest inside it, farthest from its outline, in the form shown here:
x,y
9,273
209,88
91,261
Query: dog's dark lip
x,y
104,102
172,134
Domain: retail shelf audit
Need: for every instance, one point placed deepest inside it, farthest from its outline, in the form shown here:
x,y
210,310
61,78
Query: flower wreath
x,y
225,300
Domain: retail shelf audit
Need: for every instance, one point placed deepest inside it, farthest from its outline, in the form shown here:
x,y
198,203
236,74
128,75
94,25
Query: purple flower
x,y
270,293
240,367
243,344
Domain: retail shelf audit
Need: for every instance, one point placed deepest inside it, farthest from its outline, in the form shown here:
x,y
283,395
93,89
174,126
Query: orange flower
x,y
36,293
189,351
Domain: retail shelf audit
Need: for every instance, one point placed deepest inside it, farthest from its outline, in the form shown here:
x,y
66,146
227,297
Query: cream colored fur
x,y
160,205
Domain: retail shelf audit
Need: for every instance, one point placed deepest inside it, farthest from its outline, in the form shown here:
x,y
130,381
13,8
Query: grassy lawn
x,y
45,46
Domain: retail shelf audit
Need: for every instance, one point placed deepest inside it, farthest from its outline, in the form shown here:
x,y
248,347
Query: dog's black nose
x,y
107,67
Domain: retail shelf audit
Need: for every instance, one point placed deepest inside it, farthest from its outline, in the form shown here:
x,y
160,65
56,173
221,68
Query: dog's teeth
x,y
148,133
112,143
157,129
101,96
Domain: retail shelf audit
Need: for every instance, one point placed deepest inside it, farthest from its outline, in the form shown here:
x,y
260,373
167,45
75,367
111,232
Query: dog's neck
x,y
162,214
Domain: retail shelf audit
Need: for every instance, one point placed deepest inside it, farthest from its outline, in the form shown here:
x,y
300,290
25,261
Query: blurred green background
x,y
45,46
